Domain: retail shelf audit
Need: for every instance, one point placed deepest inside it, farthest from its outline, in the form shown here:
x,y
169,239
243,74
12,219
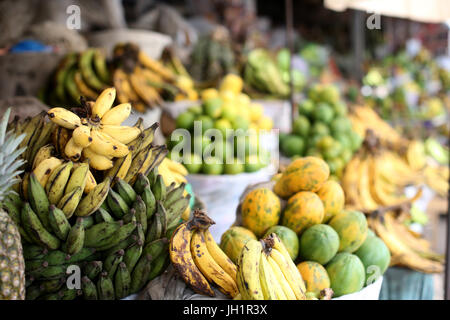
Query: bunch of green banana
x,y
267,272
261,73
84,74
37,132
117,236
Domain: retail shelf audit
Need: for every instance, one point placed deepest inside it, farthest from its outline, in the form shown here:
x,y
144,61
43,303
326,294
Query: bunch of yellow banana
x,y
141,80
99,136
267,272
84,74
407,249
199,260
375,178
437,177
183,80
172,172
364,118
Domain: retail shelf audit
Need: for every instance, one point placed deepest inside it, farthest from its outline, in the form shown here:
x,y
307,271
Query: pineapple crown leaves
x,y
8,157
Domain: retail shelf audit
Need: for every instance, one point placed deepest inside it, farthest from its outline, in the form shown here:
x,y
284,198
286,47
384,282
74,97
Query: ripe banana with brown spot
x,y
209,267
183,262
107,146
97,161
82,136
64,118
45,168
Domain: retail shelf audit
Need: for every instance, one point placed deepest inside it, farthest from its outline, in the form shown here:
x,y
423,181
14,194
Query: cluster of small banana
x,y
377,177
98,136
119,246
141,80
199,260
267,272
79,74
407,248
364,118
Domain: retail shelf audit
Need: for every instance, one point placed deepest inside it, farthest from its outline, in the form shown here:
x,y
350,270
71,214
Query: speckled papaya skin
x,y
315,276
234,239
261,210
352,229
303,174
346,272
303,210
333,198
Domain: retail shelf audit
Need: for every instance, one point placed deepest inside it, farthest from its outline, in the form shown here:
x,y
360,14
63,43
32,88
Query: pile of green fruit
x,y
219,155
322,129
119,248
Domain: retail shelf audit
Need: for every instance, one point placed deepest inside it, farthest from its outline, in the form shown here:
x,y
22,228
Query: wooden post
x,y
447,259
290,44
358,28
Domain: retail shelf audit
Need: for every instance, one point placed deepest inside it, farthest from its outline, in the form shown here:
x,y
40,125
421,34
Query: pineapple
x,y
12,273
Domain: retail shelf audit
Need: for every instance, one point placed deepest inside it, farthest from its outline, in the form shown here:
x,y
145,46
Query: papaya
x,y
351,227
320,243
261,210
375,256
303,210
288,237
346,272
303,174
370,233
233,240
332,196
315,276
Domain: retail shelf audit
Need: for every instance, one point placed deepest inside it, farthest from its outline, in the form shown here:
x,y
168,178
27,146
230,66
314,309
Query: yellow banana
x,y
251,254
290,295
279,246
120,167
209,267
366,199
155,66
73,150
115,116
107,146
240,283
175,166
78,178
83,88
93,200
60,137
64,118
103,103
288,273
69,202
402,253
45,169
267,280
147,93
183,262
97,161
90,183
43,153
82,136
122,134
125,92
24,185
219,256
57,182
